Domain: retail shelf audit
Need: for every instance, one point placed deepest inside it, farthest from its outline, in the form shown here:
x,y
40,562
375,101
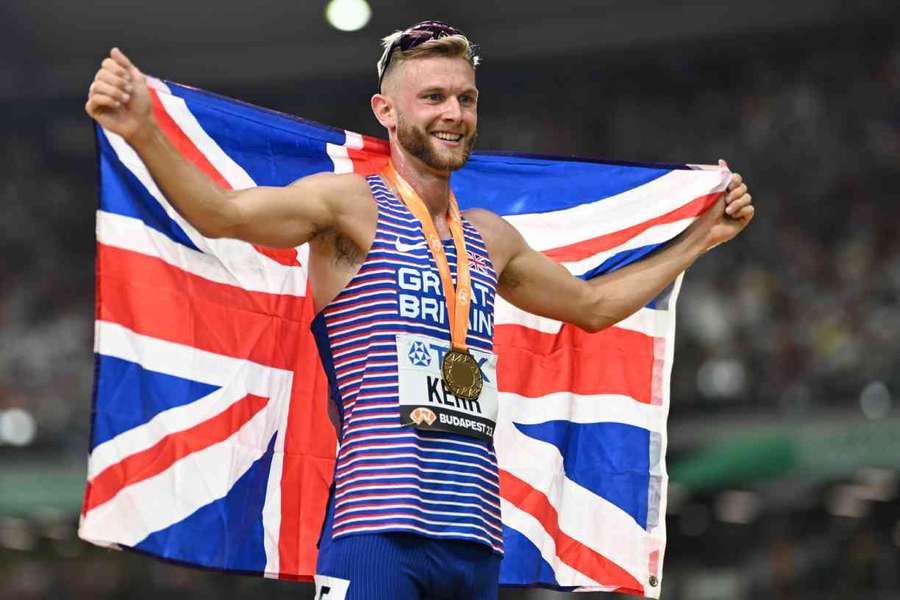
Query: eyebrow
x,y
436,88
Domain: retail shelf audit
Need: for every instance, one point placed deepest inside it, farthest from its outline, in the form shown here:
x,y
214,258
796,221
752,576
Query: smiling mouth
x,y
448,137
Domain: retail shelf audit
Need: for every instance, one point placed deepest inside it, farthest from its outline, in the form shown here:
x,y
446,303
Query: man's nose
x,y
452,109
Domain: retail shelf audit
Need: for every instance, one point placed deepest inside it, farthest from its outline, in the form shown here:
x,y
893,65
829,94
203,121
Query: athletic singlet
x,y
387,477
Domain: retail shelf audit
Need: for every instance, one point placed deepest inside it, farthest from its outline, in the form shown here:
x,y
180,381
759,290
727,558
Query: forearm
x,y
195,196
619,294
536,284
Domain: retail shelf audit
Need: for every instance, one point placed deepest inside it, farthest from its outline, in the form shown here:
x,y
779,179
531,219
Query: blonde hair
x,y
451,46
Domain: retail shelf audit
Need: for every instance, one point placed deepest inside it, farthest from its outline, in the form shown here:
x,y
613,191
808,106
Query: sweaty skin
x,y
429,109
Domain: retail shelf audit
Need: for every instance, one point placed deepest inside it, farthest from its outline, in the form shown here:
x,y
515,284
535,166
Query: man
x,y
404,324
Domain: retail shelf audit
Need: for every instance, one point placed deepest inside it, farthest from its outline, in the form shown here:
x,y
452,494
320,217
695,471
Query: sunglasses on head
x,y
412,37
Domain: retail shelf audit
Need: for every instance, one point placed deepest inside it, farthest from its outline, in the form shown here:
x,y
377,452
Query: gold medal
x,y
462,376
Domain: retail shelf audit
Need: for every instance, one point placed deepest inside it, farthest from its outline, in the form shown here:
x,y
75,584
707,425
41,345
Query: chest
x,y
398,279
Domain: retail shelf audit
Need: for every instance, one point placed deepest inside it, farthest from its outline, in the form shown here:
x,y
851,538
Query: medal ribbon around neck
x,y
459,298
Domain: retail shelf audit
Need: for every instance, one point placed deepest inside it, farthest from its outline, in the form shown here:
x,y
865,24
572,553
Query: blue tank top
x,y
390,477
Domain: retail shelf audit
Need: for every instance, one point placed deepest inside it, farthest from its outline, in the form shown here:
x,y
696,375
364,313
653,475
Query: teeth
x,y
450,137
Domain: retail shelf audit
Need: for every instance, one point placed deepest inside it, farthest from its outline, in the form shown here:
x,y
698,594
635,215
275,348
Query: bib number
x,y
331,588
425,401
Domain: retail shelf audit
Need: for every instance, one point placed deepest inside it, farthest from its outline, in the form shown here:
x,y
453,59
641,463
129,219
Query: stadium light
x,y
17,427
348,15
875,400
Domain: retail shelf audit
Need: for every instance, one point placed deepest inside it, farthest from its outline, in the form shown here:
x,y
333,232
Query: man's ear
x,y
383,108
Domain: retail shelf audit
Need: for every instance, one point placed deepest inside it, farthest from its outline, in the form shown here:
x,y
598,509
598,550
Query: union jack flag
x,y
477,262
211,443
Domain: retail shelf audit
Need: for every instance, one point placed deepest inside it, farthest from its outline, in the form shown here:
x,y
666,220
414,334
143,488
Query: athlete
x,y
395,271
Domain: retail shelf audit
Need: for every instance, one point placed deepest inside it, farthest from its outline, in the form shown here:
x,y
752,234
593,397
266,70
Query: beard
x,y
419,143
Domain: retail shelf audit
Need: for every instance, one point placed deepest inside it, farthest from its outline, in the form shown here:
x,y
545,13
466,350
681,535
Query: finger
x,y
745,214
736,180
100,102
115,68
114,80
736,193
119,56
101,87
736,206
137,76
134,73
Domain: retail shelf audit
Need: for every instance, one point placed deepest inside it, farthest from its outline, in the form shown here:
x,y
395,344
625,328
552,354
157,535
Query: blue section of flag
x,y
274,148
515,185
122,194
619,260
610,459
227,533
529,568
119,382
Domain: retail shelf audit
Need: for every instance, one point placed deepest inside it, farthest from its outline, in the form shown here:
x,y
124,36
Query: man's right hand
x,y
118,97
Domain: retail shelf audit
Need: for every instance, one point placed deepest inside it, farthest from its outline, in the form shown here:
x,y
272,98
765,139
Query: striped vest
x,y
388,477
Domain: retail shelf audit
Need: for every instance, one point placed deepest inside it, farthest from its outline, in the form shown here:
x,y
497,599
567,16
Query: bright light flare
x,y
17,427
348,15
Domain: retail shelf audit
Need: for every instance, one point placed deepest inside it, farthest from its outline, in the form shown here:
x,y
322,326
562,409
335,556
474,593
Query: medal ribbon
x,y
459,298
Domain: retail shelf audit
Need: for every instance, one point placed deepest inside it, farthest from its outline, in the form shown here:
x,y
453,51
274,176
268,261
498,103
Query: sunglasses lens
x,y
414,38
429,30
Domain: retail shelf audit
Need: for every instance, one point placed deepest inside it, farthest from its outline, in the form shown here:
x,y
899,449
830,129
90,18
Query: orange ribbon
x,y
459,298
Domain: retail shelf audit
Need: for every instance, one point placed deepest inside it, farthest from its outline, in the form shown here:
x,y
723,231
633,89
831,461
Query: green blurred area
x,y
41,487
814,451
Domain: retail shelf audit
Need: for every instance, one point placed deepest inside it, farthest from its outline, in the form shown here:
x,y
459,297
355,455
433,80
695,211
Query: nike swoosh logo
x,y
404,248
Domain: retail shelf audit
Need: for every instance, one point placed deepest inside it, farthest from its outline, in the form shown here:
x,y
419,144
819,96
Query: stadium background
x,y
784,430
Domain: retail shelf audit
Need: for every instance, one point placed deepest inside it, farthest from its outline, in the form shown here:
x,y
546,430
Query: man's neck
x,y
433,187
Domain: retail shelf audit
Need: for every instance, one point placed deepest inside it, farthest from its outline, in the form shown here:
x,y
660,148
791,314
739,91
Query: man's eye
x,y
435,97
467,100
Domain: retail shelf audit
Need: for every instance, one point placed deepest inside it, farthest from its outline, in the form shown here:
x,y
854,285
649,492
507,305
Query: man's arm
x,y
272,216
537,284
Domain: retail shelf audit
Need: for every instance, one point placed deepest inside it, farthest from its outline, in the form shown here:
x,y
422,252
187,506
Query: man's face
x,y
437,110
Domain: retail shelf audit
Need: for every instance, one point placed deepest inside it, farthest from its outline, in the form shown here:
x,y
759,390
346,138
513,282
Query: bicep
x,y
284,217
535,283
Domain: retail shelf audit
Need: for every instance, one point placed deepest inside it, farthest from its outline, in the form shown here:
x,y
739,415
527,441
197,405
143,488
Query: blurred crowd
x,y
46,273
801,313
803,310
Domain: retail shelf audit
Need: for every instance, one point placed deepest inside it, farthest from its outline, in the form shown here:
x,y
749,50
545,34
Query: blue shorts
x,y
403,566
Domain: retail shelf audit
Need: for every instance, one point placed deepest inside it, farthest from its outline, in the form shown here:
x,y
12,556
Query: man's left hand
x,y
730,214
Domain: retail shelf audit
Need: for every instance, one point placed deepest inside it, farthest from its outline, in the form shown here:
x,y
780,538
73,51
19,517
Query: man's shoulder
x,y
483,218
500,237
488,223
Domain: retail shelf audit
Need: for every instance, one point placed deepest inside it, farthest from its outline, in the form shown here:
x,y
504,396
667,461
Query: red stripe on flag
x,y
172,448
307,468
162,303
569,550
152,271
586,248
183,143
371,158
575,361
189,150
